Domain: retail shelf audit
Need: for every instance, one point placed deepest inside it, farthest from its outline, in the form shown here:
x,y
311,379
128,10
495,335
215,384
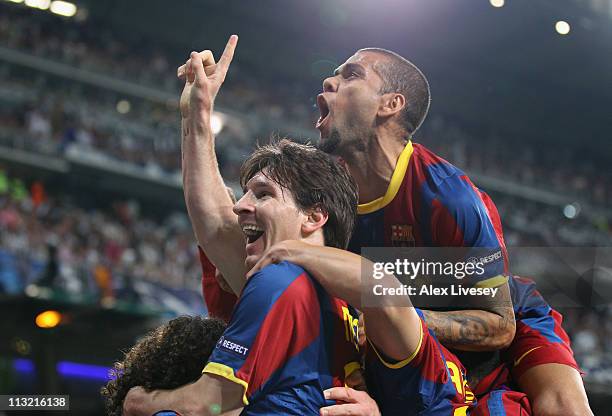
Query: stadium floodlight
x,y
562,27
16,1
497,3
63,8
216,123
571,211
38,4
48,319
123,106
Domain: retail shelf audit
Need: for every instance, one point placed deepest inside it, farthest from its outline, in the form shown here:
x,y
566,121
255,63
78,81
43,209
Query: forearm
x,y
349,277
182,400
338,271
473,330
209,395
208,202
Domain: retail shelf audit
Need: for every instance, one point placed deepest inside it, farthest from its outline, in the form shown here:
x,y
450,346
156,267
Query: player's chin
x,y
328,145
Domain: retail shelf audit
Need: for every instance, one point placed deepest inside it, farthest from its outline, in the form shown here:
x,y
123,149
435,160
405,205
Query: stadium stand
x,y
124,255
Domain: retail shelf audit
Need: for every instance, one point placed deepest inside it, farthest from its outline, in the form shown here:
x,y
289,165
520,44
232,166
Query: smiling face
x,y
267,214
294,191
349,103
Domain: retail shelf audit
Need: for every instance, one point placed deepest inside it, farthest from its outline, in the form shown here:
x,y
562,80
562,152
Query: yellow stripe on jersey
x,y
350,368
406,361
461,411
396,181
227,373
493,281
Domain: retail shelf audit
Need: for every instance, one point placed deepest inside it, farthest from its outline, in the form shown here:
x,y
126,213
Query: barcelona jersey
x,y
431,203
540,338
286,342
430,382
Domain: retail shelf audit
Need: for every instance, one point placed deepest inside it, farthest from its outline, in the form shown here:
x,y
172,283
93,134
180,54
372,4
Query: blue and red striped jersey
x,y
431,203
286,342
431,382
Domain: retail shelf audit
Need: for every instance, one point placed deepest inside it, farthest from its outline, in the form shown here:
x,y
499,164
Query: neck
x,y
316,238
372,168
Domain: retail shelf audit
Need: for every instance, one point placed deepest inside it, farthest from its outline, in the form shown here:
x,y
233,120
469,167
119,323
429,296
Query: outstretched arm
x,y
397,332
208,203
340,272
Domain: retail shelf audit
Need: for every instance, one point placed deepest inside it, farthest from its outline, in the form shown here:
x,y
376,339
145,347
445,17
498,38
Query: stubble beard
x,y
330,144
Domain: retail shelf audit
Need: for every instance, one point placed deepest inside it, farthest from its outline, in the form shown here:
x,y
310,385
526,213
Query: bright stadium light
x,y
123,106
16,1
63,8
48,319
562,28
38,4
216,123
571,211
497,3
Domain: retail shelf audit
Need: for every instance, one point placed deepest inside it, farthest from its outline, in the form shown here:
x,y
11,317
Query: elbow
x,y
505,334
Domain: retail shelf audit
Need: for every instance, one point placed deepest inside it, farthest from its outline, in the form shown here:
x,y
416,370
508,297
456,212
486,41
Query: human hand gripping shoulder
x,y
397,332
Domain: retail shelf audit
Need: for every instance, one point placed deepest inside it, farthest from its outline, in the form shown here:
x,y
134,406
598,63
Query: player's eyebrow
x,y
349,66
258,182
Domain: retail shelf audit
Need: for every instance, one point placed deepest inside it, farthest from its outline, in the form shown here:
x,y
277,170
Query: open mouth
x,y
323,109
252,232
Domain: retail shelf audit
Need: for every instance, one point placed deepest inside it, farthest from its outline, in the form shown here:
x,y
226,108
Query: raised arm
x,y
208,203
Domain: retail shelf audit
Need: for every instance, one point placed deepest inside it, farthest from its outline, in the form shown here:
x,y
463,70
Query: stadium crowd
x,y
49,239
148,135
52,240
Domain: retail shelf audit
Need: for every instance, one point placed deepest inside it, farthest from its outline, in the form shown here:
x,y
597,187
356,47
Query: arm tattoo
x,y
474,328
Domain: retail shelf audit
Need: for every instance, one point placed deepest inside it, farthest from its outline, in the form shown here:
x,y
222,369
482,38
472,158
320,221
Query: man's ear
x,y
391,104
315,220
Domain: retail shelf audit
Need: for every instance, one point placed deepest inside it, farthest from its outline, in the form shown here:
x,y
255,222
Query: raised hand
x,y
203,79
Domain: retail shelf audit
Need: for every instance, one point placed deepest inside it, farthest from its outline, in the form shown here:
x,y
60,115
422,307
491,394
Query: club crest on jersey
x,y
401,235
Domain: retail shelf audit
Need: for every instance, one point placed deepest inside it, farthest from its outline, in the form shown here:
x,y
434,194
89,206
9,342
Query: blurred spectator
x,y
95,254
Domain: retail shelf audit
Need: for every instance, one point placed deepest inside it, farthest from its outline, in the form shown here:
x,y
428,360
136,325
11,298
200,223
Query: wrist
x,y
200,122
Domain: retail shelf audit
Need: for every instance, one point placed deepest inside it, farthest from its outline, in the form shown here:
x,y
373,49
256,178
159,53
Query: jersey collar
x,y
396,180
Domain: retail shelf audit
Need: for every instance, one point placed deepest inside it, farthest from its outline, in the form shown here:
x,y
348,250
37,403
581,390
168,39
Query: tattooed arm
x,y
488,328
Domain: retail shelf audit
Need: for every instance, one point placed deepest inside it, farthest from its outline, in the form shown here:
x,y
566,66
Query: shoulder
x,y
277,278
435,170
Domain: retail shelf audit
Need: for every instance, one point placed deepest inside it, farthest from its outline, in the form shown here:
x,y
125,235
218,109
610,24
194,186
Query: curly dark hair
x,y
168,357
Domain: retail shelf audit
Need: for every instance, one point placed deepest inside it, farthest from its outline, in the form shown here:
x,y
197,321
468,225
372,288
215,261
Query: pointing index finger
x,y
228,54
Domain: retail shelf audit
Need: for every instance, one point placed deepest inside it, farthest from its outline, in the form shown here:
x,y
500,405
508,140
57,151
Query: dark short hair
x,y
168,357
402,76
314,179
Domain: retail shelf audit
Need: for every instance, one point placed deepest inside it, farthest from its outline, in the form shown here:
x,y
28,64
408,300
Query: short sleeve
x,y
464,216
276,317
219,303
